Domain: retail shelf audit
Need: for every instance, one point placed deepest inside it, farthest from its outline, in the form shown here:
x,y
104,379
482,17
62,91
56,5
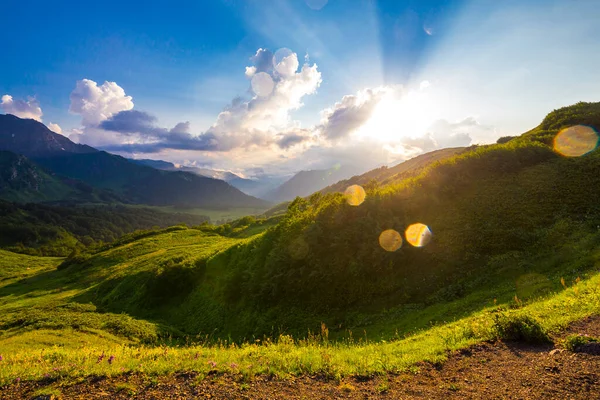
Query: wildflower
x,y
18,380
100,358
212,364
111,359
233,365
46,375
1,358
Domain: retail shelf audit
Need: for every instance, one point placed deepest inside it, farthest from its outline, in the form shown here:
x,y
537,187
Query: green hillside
x,y
514,254
397,173
58,230
22,181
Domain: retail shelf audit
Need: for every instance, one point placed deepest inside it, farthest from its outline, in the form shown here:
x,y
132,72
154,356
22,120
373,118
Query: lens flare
x,y
285,62
262,84
576,141
390,240
418,235
355,195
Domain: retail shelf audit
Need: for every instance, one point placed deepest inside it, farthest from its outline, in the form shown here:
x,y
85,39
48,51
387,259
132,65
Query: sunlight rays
x,y
399,116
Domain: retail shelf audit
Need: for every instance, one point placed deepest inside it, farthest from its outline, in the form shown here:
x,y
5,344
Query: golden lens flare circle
x,y
418,235
575,141
355,195
390,240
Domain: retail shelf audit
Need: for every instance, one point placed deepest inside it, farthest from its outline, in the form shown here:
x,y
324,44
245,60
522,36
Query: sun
x,y
396,118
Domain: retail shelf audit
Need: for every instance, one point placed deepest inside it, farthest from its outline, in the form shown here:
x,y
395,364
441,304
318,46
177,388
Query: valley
x,y
308,293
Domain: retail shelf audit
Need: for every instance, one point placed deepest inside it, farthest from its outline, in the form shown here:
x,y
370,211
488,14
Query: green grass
x,y
287,357
215,215
15,266
144,298
515,256
573,342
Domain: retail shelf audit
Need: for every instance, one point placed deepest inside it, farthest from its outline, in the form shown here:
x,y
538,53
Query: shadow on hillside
x,y
43,284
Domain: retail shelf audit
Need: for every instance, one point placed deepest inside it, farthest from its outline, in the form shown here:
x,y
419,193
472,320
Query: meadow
x,y
514,255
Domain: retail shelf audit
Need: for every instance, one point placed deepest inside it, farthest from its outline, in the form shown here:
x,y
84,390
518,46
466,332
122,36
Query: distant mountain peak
x,y
33,139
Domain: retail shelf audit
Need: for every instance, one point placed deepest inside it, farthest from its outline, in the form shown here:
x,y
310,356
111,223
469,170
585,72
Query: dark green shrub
x,y
519,328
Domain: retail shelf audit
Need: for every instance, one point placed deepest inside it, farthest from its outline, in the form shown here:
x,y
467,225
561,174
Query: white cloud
x,y
250,71
97,103
351,113
277,94
285,62
262,84
29,108
262,120
55,128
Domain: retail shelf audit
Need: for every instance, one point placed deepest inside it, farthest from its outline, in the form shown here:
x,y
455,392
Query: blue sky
x,y
418,75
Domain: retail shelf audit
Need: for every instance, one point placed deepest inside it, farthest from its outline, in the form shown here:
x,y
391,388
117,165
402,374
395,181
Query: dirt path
x,y
488,371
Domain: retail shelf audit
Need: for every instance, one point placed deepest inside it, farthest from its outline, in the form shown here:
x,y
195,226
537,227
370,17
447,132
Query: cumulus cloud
x,y
29,108
145,136
352,112
261,120
262,60
457,134
97,103
276,95
55,128
291,139
149,137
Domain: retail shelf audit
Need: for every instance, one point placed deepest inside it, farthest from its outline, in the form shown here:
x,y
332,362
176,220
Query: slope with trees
x,y
134,183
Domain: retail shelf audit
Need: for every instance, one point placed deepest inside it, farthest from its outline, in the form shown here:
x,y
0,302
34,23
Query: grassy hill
x,y
57,231
41,310
397,173
514,255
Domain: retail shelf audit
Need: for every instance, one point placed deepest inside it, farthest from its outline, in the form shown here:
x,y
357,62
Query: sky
x,y
271,88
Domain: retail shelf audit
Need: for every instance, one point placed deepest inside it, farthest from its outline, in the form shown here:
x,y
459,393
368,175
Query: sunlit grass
x,y
93,354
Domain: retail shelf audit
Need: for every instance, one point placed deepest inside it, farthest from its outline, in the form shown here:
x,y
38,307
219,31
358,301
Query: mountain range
x,y
258,187
52,167
305,183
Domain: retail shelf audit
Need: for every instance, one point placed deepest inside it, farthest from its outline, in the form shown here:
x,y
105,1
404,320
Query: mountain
x,y
135,183
158,164
22,180
305,183
397,173
33,139
254,187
